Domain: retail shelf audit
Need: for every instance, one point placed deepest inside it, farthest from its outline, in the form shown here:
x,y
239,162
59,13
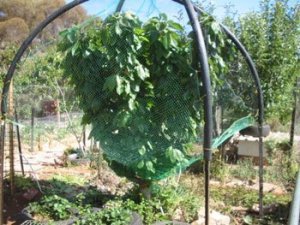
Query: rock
x,y
170,223
266,208
73,156
239,208
30,194
178,215
65,222
270,188
136,219
216,218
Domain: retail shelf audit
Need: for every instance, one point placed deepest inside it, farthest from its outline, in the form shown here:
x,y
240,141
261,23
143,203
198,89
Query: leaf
x,y
125,117
175,25
131,104
174,155
110,83
248,220
150,145
119,85
141,164
127,87
142,150
118,29
215,27
75,48
165,42
150,104
143,73
149,166
71,35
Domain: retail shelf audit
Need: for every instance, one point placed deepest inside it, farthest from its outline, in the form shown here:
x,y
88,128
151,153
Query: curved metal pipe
x,y
9,76
204,69
26,44
260,112
205,77
260,100
248,59
120,6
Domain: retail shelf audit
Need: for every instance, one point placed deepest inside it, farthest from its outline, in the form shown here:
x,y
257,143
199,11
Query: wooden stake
x,y
11,139
1,170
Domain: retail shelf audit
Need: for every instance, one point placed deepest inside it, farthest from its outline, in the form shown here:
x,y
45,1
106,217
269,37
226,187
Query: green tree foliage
x,y
125,74
272,38
7,52
138,86
37,79
17,19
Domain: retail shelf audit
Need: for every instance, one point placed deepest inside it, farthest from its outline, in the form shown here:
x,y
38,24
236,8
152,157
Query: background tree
x,y
272,37
19,17
32,12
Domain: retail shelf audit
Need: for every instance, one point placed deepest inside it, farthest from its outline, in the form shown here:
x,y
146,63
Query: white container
x,y
249,146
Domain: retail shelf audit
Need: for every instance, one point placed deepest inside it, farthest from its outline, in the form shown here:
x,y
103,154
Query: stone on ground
x,y
216,218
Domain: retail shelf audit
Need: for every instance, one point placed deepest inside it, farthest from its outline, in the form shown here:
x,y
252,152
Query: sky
x,y
146,8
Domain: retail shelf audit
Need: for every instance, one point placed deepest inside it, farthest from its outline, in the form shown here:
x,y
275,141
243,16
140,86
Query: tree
x,y
30,13
19,17
272,38
13,30
137,88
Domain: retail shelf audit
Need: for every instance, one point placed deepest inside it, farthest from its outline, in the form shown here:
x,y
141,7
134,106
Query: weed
x,y
165,201
53,207
244,170
23,183
68,179
219,169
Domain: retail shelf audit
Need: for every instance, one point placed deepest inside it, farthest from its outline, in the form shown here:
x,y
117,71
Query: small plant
x,y
219,169
283,164
68,179
165,202
244,170
23,183
53,207
113,215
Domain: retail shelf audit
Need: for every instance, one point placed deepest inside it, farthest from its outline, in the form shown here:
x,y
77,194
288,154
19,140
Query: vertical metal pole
x,y
261,173
1,169
19,143
293,120
32,129
294,217
205,77
84,136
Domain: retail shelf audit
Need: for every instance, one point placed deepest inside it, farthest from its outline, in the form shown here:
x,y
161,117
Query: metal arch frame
x,y
191,10
207,106
260,100
9,76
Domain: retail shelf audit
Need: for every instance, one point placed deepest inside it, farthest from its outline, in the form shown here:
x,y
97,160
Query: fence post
x,y
294,113
32,129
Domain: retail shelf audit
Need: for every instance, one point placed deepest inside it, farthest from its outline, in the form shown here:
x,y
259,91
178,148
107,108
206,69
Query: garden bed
x,y
100,195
